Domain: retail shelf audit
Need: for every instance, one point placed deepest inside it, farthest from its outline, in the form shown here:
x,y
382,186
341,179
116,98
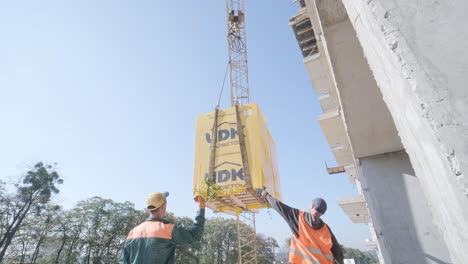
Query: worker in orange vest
x,y
312,240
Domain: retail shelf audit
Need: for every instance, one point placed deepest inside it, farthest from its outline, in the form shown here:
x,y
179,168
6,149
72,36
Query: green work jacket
x,y
155,240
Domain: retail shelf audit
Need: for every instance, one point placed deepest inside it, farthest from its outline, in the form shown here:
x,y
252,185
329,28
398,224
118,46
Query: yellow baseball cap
x,y
155,200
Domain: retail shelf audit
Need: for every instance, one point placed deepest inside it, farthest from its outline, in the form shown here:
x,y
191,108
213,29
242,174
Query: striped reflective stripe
x,y
308,258
312,250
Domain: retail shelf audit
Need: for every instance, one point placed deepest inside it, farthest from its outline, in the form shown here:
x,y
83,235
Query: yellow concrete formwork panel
x,y
228,178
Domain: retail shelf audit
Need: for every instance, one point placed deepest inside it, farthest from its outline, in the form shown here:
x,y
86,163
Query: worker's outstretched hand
x,y
200,200
261,192
258,191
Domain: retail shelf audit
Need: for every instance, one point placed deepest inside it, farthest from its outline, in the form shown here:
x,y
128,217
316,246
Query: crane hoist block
x,y
226,189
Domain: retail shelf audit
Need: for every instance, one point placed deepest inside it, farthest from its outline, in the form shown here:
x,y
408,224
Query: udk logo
x,y
220,176
223,134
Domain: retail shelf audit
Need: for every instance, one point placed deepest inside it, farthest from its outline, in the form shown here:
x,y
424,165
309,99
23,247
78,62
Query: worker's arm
x,y
124,256
289,214
188,235
336,249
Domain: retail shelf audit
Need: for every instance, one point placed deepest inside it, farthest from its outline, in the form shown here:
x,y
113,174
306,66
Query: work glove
x,y
258,191
261,192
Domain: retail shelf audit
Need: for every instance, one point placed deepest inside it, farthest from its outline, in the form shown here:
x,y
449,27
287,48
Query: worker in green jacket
x,y
155,240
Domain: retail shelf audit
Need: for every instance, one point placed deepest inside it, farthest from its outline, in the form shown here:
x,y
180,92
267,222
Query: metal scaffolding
x,y
247,238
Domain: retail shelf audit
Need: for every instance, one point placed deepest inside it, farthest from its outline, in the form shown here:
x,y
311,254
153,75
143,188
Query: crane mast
x,y
240,94
237,44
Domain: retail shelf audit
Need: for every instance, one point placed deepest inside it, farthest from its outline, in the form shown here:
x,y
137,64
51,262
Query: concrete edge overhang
x,y
321,73
356,209
335,133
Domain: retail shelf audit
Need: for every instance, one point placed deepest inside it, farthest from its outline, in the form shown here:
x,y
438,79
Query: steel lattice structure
x,y
240,94
237,44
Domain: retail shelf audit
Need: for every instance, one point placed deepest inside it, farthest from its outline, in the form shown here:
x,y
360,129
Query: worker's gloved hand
x,y
261,192
258,191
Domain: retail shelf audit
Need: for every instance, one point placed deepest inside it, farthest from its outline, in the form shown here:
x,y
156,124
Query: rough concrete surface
x,y
402,218
415,50
370,126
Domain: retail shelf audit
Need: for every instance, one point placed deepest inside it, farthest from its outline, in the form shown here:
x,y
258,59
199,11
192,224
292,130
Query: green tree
x,y
71,228
62,234
220,245
41,228
32,195
283,253
359,256
219,241
266,247
94,231
32,236
105,225
35,231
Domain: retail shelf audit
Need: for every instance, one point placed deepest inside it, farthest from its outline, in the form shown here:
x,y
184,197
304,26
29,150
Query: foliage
x,y
35,230
33,195
359,256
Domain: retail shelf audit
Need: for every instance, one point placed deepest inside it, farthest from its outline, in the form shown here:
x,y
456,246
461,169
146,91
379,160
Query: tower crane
x,y
240,94
237,45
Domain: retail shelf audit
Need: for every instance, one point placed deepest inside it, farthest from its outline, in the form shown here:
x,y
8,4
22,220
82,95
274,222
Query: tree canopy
x,y
34,229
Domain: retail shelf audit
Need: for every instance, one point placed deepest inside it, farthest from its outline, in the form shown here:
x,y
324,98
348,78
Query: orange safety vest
x,y
312,246
151,229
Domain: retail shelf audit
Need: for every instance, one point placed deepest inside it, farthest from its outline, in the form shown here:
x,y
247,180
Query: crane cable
x,y
211,193
222,87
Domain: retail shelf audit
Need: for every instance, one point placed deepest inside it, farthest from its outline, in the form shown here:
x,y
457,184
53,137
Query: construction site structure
x,y
391,81
237,45
234,152
239,83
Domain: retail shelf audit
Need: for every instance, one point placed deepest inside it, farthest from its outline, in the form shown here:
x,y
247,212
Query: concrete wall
x,y
369,124
400,213
416,51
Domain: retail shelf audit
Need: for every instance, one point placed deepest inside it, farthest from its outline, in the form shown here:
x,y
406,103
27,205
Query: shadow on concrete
x,y
400,212
436,260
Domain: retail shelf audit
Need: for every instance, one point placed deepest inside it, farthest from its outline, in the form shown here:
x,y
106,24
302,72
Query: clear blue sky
x,y
110,91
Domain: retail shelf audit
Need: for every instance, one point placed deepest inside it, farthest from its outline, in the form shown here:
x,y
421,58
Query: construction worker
x,y
312,240
155,240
